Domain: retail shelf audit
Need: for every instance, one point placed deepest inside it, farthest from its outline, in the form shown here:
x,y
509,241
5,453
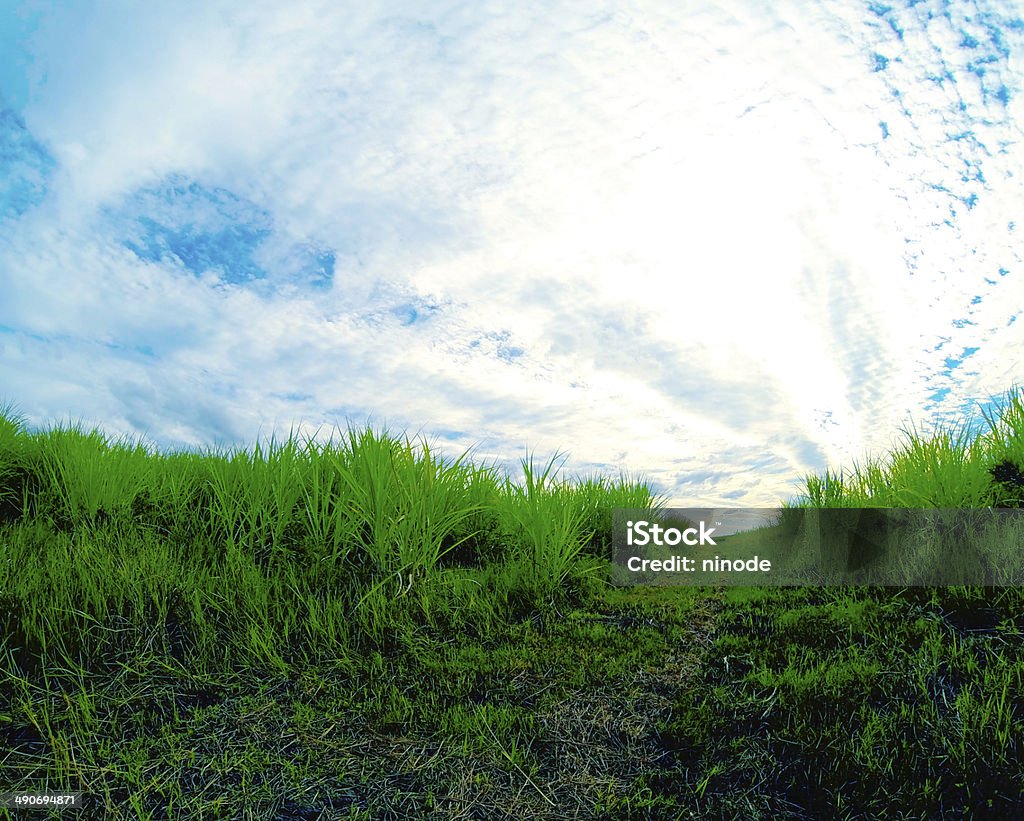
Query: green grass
x,y
359,628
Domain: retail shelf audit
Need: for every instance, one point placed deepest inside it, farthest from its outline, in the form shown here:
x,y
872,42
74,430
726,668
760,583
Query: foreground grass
x,y
362,630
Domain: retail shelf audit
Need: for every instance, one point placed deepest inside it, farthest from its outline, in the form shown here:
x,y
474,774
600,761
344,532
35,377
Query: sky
x,y
715,246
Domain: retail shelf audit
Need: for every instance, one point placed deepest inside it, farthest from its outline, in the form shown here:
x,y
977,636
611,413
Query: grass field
x,y
361,629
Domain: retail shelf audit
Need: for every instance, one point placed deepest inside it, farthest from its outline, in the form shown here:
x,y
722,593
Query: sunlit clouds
x,y
719,248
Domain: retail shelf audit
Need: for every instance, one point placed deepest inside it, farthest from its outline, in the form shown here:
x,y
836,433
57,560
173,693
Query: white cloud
x,y
709,244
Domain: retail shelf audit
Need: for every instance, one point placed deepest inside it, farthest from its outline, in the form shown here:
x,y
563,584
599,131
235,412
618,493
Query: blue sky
x,y
720,247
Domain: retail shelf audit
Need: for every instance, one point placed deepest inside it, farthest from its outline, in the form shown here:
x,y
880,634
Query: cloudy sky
x,y
720,245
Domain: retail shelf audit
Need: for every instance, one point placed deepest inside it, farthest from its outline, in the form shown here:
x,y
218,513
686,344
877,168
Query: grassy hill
x,y
360,629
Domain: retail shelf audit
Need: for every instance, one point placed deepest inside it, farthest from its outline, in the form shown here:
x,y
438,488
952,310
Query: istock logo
x,y
643,533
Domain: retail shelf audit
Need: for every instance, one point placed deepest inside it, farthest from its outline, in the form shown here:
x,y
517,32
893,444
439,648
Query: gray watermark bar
x,y
891,547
